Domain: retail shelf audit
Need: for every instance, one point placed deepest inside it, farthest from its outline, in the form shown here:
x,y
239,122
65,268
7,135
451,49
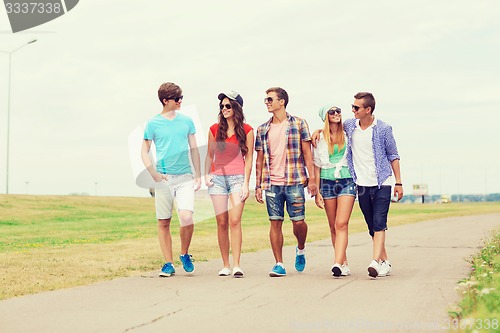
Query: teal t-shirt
x,y
171,140
335,158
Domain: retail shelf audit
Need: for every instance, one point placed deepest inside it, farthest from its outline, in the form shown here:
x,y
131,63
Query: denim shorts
x,y
331,189
292,195
227,184
374,203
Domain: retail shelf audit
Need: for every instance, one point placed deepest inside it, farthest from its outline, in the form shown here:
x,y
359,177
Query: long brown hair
x,y
239,121
339,138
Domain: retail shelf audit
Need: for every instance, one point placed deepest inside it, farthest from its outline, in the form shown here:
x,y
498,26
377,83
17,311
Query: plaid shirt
x,y
295,169
384,148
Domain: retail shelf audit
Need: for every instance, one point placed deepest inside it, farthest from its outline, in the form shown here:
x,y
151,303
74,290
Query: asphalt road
x,y
428,259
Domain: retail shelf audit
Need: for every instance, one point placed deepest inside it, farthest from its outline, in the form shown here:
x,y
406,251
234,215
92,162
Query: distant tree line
x,y
453,198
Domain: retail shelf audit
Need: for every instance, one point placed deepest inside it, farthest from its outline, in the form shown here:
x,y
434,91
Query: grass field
x,y
53,242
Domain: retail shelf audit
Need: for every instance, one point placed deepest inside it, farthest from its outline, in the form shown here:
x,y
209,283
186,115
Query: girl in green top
x,y
337,188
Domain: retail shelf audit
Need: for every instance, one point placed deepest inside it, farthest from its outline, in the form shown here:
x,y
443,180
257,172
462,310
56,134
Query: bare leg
x,y
383,256
344,210
235,214
165,238
331,215
276,238
221,215
300,232
187,229
379,245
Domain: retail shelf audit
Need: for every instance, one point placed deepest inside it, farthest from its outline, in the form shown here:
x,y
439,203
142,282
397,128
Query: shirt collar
x,y
268,123
372,125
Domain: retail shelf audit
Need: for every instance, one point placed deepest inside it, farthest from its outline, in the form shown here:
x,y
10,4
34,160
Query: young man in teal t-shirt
x,y
174,137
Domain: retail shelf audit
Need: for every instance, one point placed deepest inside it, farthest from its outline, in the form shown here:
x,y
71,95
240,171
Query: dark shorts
x,y
374,203
292,195
331,189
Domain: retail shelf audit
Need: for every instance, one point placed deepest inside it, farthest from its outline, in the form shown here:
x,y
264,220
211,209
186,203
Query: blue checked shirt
x,y
384,148
295,169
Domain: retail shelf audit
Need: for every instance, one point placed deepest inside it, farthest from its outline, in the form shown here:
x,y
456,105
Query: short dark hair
x,y
169,90
368,99
280,92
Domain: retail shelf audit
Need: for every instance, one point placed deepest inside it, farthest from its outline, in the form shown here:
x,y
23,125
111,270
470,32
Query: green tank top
x,y
334,159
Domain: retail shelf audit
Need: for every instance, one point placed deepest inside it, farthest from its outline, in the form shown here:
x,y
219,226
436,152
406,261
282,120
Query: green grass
x,y
480,305
52,242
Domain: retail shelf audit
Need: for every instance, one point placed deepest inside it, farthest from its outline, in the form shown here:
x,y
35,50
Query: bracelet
x,y
398,184
257,187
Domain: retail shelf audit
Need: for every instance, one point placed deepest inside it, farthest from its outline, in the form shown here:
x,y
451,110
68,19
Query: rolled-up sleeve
x,y
316,160
390,144
258,140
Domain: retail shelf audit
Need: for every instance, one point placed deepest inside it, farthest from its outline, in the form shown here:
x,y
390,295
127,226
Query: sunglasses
x,y
356,108
269,100
331,112
176,99
227,106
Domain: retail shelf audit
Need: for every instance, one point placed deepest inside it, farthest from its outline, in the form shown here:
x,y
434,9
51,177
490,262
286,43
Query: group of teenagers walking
x,y
356,156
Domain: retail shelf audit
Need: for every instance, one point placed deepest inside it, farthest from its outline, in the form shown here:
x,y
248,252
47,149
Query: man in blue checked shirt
x,y
373,158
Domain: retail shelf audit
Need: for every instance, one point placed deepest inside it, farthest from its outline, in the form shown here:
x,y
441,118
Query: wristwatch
x,y
257,187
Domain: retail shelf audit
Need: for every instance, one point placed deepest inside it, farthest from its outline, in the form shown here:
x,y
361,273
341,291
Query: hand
x,y
258,195
315,137
244,193
197,183
208,180
312,189
398,191
319,201
158,177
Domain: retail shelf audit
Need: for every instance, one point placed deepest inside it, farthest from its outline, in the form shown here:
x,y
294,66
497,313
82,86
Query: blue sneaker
x,y
300,261
277,271
167,270
187,262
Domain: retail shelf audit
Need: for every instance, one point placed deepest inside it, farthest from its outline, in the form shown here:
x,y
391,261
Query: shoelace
x,y
188,258
168,267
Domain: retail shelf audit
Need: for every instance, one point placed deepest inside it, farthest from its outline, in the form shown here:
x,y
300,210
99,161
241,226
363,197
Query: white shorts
x,y
178,187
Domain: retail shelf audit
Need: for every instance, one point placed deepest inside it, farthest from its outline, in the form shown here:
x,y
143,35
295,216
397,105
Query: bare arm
x,y
209,159
258,175
308,158
318,199
248,165
146,159
195,157
398,190
315,137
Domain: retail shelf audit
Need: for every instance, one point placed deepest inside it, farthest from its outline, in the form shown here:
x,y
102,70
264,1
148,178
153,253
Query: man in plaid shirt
x,y
283,146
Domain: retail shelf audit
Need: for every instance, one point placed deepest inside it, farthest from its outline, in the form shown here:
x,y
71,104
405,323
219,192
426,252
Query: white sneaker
x,y
225,272
337,270
385,268
345,270
374,268
237,272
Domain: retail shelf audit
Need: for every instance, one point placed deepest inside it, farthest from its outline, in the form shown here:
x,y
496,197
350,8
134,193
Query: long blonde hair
x,y
339,138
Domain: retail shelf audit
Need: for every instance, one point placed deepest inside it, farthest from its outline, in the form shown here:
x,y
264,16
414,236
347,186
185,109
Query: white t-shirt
x,y
363,157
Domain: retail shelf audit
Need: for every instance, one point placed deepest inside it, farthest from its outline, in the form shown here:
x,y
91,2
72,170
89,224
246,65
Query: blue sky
x,y
92,77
